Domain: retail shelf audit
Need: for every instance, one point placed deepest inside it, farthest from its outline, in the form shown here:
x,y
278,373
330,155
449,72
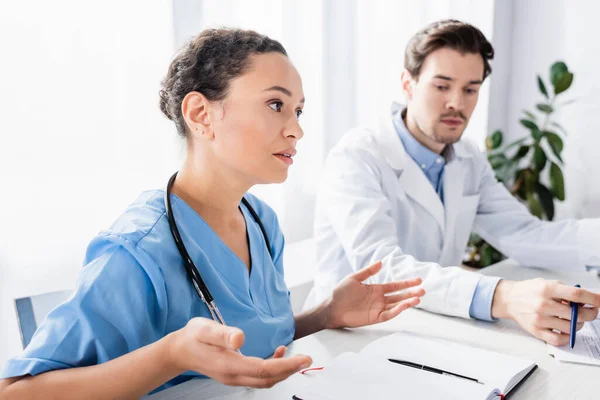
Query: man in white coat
x,y
410,191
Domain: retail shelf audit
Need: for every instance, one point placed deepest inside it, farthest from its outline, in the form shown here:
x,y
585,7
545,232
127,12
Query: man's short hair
x,y
451,34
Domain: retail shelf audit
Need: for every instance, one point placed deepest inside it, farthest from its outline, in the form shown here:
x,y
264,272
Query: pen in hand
x,y
574,312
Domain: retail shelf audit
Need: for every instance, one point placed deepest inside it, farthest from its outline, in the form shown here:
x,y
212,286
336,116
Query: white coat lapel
x,y
416,185
411,178
455,174
454,181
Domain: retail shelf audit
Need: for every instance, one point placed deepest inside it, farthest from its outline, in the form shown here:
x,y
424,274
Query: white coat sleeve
x,y
360,214
504,222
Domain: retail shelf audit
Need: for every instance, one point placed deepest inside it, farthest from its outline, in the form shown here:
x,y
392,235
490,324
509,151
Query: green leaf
x,y
545,108
518,188
529,124
546,200
555,142
487,253
494,141
497,160
557,71
542,87
522,152
534,205
557,182
504,173
564,83
475,239
539,158
536,134
529,180
530,115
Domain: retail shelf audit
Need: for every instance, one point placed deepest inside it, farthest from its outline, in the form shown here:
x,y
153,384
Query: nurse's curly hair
x,y
207,64
449,33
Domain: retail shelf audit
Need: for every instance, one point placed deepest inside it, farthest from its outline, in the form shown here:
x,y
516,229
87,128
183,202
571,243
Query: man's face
x,y
442,99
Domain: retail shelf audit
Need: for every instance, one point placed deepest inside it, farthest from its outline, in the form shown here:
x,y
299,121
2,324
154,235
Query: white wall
x,y
80,133
532,35
582,54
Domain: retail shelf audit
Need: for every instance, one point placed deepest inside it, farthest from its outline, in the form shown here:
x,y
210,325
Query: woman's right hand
x,y
210,348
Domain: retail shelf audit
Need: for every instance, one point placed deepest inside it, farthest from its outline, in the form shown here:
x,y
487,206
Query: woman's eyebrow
x,y
282,90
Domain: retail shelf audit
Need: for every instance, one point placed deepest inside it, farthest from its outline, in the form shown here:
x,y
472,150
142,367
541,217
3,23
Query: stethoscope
x,y
192,271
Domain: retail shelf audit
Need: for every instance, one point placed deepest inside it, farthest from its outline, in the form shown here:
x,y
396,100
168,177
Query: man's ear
x,y
195,109
407,84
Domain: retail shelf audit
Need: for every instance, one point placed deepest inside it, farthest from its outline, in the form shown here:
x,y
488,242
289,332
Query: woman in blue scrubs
x,y
135,323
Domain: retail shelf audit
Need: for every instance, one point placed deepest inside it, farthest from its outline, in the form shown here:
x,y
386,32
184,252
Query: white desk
x,y
552,380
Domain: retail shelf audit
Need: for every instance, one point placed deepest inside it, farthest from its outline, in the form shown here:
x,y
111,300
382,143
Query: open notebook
x,y
370,374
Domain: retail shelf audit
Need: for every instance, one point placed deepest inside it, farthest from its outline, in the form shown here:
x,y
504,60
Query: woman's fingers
x,y
367,272
279,352
260,373
273,368
397,309
210,332
265,381
395,298
400,285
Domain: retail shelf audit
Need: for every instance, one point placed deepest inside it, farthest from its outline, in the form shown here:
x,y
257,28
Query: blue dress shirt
x,y
432,164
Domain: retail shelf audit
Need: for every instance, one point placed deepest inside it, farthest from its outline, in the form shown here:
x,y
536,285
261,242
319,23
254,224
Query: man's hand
x,y
542,307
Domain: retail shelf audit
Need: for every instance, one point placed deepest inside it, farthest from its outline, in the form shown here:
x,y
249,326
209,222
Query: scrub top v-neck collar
x,y
248,282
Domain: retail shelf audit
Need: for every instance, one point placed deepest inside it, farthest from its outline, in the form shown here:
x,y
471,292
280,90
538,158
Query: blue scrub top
x,y
134,290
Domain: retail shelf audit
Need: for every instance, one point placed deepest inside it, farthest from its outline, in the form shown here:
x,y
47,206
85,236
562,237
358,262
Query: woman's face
x,y
256,127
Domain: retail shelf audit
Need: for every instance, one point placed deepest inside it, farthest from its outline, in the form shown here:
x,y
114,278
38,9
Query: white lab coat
x,y
375,203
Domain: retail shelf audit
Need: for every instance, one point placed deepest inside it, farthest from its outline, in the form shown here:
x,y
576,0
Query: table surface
x,y
552,379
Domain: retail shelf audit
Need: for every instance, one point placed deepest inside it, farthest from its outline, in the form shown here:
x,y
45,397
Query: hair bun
x,y
164,103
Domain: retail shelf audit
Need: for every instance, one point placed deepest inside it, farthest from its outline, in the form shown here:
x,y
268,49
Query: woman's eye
x,y
298,114
276,106
441,88
471,91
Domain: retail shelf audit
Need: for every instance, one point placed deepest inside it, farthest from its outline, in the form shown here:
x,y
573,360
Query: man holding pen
x,y
409,191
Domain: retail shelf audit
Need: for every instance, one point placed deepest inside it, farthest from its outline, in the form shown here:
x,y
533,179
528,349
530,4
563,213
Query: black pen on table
x,y
432,369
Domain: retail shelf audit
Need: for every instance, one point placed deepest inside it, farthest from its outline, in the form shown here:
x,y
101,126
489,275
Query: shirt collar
x,y
423,156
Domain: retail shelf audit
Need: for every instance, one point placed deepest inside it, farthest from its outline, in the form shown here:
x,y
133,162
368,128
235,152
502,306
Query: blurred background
x,y
81,134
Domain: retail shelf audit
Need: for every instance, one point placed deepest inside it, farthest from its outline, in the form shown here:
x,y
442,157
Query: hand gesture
x,y
210,348
355,304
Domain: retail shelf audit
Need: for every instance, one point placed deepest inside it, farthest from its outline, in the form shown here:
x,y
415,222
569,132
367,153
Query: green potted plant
x,y
525,165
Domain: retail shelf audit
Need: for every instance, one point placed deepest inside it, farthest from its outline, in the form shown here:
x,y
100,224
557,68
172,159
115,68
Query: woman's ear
x,y
195,109
407,84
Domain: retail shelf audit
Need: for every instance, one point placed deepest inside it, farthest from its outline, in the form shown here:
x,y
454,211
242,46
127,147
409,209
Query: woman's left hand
x,y
355,304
